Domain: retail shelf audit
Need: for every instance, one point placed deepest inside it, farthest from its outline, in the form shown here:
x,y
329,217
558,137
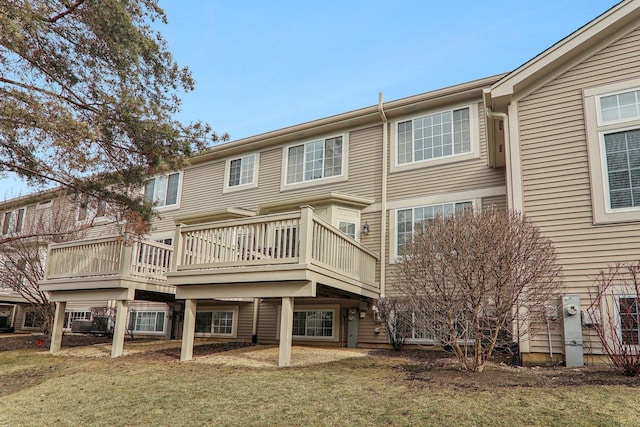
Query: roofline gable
x,y
610,26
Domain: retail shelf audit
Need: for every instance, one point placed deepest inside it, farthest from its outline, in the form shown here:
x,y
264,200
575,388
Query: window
x,y
163,190
348,228
315,160
629,315
13,221
442,134
146,321
612,114
33,319
622,152
70,316
407,219
91,208
313,323
241,172
216,322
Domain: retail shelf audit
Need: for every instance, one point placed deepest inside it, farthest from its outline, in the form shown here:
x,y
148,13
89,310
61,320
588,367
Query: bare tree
x,y
396,319
477,280
23,253
614,313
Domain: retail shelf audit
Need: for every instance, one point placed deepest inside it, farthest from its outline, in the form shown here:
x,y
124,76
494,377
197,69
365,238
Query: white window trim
x,y
471,196
234,326
92,214
355,224
618,320
474,135
595,131
335,308
344,176
15,213
178,195
159,333
24,319
239,187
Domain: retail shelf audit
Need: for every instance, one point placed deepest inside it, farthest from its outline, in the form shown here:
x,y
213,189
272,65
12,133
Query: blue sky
x,y
261,66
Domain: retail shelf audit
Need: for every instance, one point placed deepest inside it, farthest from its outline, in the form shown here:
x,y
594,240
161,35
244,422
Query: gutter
x,y
383,196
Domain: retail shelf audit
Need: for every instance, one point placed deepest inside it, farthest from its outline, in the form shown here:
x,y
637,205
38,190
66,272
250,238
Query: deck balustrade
x,y
292,238
109,256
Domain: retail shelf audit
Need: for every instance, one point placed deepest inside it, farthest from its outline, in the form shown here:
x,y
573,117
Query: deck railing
x,y
291,238
109,256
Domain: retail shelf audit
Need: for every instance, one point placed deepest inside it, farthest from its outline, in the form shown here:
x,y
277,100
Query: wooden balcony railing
x,y
109,256
292,238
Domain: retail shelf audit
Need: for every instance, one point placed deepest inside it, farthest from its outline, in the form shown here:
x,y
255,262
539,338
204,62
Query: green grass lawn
x,y
379,389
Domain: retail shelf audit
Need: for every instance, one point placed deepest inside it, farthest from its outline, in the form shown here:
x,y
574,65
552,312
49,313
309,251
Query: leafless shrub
x,y
478,280
23,253
394,315
614,313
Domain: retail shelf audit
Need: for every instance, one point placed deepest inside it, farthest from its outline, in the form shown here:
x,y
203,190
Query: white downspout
x,y
383,196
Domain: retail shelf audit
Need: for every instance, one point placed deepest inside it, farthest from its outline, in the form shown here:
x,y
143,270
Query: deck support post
x,y
57,327
120,329
188,329
286,332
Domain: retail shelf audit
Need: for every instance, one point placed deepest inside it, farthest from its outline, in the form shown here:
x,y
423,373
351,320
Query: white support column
x,y
56,328
188,329
122,314
286,332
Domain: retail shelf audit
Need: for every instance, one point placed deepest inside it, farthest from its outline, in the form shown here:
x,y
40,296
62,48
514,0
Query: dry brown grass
x,y
361,388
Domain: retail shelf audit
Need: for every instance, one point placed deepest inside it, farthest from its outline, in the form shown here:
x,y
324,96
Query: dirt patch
x,y
41,342
424,369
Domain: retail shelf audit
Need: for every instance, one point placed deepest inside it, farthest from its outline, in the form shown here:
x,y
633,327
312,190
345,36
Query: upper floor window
x,y
12,221
407,219
319,159
620,106
163,190
90,209
612,115
441,134
241,172
622,153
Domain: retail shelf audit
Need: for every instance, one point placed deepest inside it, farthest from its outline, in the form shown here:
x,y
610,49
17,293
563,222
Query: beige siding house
x,y
291,236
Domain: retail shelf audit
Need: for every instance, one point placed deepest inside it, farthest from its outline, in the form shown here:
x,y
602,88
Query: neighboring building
x,y
292,235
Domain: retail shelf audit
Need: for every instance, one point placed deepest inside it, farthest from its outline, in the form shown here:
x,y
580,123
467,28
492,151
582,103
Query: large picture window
x,y
216,322
315,160
163,190
442,134
313,323
146,321
407,219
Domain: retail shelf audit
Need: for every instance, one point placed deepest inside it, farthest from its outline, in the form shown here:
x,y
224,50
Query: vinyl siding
x,y
203,184
449,177
555,172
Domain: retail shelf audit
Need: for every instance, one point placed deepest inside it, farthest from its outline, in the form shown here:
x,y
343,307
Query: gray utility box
x,y
572,331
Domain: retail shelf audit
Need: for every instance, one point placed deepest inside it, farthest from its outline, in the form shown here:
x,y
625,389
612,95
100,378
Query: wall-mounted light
x,y
365,229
